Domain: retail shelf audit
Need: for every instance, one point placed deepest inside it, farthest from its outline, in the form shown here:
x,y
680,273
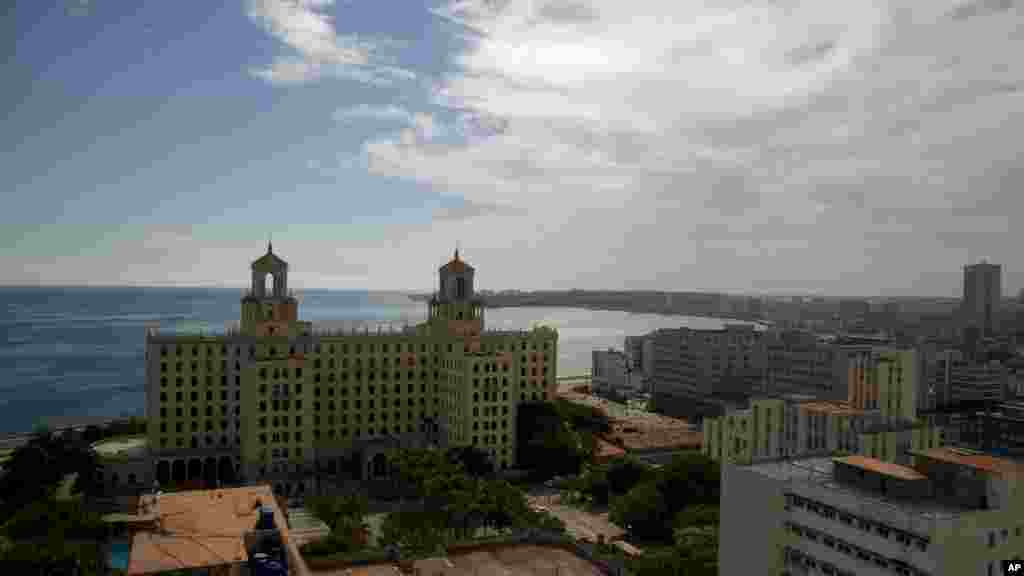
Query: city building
x,y
887,380
952,512
982,297
640,350
801,426
801,362
956,378
225,532
284,401
691,366
611,370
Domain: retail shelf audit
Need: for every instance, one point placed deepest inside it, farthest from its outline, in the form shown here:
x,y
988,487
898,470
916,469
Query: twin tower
x,y
270,309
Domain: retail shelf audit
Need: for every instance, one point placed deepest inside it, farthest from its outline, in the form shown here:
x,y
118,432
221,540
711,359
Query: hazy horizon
x,y
740,147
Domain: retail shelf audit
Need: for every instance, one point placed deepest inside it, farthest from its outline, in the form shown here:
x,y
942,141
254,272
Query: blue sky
x,y
563,143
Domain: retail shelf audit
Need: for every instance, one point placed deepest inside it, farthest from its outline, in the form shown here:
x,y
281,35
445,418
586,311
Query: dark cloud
x,y
468,210
976,8
810,53
565,11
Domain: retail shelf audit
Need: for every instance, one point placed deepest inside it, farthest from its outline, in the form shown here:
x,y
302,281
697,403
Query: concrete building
x,y
611,370
280,400
982,298
951,513
692,363
955,378
640,350
886,380
801,362
800,426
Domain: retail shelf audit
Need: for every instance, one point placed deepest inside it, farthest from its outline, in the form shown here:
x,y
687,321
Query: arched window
x,y
268,285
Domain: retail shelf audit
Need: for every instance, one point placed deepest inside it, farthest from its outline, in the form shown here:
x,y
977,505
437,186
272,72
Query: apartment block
x,y
692,363
886,380
801,362
951,512
612,370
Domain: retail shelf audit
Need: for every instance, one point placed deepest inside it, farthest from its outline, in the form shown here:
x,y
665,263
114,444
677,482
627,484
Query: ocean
x,y
79,351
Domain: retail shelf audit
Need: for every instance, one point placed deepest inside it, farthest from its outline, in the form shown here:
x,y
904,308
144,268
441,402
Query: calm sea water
x,y
79,351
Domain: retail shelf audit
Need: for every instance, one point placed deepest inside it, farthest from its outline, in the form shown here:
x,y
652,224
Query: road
x,y
660,458
581,524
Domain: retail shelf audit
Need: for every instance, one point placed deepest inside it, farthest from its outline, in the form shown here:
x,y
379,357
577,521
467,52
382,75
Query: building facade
x,y
281,400
951,513
982,298
613,370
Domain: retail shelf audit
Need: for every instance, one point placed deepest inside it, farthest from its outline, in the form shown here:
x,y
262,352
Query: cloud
x,y
796,143
467,210
364,112
304,27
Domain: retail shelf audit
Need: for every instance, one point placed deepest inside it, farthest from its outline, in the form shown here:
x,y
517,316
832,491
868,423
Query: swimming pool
x,y
119,550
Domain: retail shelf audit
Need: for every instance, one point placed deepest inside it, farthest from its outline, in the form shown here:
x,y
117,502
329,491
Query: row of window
x,y
179,426
853,551
804,561
209,441
180,366
179,396
194,380
865,524
194,411
357,347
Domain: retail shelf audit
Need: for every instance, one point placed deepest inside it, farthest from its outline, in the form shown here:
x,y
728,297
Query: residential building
x,y
612,370
801,362
282,401
956,378
690,362
952,512
887,380
982,297
640,350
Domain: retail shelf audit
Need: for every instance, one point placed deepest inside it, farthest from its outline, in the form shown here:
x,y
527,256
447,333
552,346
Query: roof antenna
x,y
270,243
456,249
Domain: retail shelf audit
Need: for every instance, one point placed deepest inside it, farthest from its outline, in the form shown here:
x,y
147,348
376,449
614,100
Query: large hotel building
x,y
280,400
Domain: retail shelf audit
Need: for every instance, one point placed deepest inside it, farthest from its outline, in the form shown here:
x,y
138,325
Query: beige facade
x,y
282,401
950,513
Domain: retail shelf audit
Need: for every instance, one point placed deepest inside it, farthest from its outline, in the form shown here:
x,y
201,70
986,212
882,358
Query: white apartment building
x,y
693,363
953,513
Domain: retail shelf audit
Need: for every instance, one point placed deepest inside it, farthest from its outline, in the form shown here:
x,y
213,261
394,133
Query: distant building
x,y
611,371
640,350
801,362
955,378
689,362
952,512
982,297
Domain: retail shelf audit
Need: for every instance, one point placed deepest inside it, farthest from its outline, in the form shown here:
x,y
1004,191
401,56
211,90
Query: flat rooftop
x,y
834,408
819,471
199,528
883,468
972,459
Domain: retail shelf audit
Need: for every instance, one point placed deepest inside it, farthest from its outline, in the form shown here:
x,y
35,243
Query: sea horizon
x,y
79,350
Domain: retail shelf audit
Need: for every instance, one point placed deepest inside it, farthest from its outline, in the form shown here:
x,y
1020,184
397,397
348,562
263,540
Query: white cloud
x,y
363,112
307,30
746,145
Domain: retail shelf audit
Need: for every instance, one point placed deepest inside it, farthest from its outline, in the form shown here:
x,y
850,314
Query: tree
x,y
625,473
641,511
473,460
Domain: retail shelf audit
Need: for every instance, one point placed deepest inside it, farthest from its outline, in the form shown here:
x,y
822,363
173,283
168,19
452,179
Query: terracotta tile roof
x,y
834,408
880,467
983,462
456,265
200,528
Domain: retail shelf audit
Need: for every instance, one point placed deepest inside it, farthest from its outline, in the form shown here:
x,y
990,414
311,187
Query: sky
x,y
844,148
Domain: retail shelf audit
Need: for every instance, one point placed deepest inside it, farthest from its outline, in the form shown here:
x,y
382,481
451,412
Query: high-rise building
x,y
983,291
952,511
611,370
281,400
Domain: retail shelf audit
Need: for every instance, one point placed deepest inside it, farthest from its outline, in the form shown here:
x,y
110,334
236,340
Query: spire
x,y
270,245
